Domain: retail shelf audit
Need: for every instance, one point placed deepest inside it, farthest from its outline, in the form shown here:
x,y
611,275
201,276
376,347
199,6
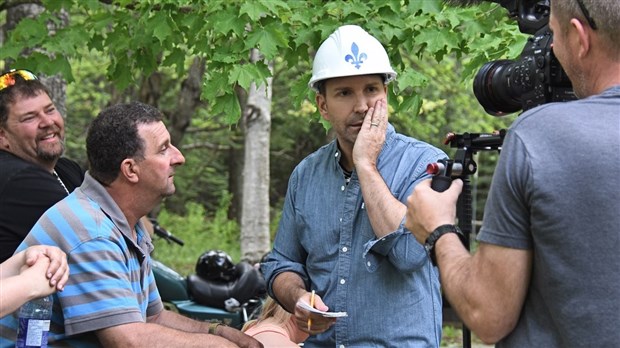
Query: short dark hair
x,y
113,137
21,88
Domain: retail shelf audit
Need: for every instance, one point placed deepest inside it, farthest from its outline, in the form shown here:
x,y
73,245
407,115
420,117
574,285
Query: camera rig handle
x,y
462,166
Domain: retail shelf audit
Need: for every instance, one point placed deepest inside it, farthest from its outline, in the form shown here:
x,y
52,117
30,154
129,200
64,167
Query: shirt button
x,y
336,154
344,249
341,188
368,263
342,281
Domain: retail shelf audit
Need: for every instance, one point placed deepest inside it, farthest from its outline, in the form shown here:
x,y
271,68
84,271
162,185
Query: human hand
x,y
237,337
371,136
312,323
428,209
58,270
35,279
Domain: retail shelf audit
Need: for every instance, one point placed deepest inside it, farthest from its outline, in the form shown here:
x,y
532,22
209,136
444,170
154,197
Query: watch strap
x,y
432,239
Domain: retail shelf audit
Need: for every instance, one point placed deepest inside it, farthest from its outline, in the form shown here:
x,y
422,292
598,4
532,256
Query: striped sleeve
x,y
108,285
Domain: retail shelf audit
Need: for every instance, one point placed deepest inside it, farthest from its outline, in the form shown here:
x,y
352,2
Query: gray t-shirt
x,y
556,191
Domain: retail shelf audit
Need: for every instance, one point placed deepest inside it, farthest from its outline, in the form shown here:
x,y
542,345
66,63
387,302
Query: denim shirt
x,y
388,286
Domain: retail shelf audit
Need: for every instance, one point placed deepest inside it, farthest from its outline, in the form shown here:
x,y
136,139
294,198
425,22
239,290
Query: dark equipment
x,y
463,165
535,78
220,290
216,265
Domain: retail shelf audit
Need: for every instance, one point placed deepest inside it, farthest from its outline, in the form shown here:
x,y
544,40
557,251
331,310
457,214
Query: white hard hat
x,y
350,51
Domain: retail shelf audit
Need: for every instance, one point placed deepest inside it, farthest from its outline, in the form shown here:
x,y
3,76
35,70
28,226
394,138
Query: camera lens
x,y
492,87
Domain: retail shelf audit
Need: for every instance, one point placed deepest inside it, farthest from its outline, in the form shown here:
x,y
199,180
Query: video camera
x,y
535,78
507,86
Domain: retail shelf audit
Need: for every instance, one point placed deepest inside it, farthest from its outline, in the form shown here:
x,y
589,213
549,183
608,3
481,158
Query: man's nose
x,y
47,120
362,104
178,158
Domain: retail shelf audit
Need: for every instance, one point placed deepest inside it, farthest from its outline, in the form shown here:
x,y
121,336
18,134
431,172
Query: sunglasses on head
x,y
8,79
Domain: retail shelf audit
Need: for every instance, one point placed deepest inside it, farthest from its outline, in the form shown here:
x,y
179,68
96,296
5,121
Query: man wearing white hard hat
x,y
341,245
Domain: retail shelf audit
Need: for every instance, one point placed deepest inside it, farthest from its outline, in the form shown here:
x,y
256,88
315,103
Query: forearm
x,y
155,335
14,294
384,210
217,332
455,270
12,265
21,283
288,287
178,322
486,294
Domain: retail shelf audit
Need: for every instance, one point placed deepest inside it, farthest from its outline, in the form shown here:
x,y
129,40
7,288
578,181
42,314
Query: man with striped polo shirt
x,y
111,298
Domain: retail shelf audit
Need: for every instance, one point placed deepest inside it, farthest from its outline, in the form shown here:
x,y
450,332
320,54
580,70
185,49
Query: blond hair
x,y
270,309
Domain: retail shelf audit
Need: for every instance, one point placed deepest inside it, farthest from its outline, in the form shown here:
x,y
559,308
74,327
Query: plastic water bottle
x,y
34,323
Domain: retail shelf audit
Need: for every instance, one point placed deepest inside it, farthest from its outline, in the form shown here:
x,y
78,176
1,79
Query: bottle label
x,y
35,331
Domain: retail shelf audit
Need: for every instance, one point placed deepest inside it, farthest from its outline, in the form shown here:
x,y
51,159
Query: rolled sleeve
x,y
399,247
271,268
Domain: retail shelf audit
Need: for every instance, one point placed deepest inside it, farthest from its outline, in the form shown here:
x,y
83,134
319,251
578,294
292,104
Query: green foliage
x,y
452,337
449,105
220,226
199,232
141,37
86,96
273,224
435,49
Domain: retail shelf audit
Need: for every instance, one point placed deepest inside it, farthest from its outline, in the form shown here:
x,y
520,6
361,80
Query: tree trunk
x,y
189,100
235,171
255,206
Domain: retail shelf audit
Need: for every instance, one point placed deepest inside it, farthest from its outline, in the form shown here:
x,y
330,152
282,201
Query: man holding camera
x,y
546,271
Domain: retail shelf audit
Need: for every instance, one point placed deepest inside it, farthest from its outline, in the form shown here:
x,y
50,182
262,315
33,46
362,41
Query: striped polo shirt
x,y
111,281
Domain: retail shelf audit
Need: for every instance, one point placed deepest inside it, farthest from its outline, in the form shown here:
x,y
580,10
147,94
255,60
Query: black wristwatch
x,y
429,245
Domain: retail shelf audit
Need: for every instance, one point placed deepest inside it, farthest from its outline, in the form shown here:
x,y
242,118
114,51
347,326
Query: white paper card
x,y
307,306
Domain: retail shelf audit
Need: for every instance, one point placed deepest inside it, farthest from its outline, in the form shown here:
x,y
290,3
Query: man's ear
x,y
385,90
4,142
583,37
321,104
130,170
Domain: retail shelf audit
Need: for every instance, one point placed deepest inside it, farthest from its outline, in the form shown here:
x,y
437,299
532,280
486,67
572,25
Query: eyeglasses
x,y
586,14
8,79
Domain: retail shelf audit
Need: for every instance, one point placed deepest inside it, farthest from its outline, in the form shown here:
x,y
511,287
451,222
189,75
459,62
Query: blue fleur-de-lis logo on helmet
x,y
356,59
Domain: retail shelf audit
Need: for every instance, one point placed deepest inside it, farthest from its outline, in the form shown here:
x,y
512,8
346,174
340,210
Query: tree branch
x,y
193,130
205,145
7,4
